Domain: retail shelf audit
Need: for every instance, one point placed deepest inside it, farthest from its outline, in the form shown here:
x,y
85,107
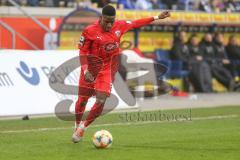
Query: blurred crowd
x,y
208,58
189,5
192,5
42,3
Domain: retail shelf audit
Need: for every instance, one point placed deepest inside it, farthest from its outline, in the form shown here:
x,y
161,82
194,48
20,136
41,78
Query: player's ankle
x,y
77,124
82,125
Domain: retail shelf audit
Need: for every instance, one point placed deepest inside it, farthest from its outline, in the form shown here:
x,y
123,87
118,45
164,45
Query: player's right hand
x,y
88,76
164,14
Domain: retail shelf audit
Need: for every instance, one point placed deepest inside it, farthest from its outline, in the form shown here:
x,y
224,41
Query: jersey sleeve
x,y
84,46
128,25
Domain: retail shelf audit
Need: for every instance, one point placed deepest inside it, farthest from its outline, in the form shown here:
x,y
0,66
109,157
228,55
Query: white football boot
x,y
79,132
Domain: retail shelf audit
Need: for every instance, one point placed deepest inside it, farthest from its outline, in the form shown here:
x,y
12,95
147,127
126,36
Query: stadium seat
x,y
176,70
175,67
236,63
162,57
186,5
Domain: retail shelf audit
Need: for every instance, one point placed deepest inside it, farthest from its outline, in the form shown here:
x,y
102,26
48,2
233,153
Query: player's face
x,y
107,22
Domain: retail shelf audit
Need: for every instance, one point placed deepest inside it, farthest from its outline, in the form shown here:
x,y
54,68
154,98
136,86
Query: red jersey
x,y
99,50
104,45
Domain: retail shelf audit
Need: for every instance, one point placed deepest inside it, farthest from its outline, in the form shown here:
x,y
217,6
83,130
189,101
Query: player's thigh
x,y
103,84
101,97
103,88
85,89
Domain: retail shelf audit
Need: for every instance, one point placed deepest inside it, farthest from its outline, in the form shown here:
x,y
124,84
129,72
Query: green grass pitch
x,y
207,134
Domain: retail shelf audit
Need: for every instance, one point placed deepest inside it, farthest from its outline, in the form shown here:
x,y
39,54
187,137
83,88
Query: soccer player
x,y
99,47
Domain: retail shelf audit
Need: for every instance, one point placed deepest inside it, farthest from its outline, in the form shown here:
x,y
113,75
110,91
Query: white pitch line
x,y
121,124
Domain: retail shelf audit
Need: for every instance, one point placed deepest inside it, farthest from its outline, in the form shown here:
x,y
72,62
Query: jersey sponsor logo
x,y
29,74
128,22
81,41
111,46
118,33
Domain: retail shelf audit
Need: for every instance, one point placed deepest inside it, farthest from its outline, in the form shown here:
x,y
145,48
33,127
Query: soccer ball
x,y
102,139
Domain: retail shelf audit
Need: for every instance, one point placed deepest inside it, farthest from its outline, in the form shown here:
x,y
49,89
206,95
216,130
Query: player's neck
x,y
100,25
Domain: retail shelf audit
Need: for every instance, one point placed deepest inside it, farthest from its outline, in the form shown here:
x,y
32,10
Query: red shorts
x,y
104,74
102,83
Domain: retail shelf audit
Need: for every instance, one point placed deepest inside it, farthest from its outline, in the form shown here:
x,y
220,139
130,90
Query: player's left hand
x,y
164,14
88,77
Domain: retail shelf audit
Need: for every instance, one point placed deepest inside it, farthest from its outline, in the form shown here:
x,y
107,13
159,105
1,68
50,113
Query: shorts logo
x,y
111,46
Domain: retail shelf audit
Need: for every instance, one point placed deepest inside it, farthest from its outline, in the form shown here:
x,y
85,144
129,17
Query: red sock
x,y
95,112
80,108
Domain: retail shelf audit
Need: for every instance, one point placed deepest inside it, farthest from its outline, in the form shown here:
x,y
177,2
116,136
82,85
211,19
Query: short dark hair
x,y
108,10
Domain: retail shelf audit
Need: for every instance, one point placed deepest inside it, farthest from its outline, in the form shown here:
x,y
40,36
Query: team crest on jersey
x,y
81,41
118,33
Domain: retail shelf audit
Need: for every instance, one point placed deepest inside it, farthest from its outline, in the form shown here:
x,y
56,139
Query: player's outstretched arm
x,y
144,21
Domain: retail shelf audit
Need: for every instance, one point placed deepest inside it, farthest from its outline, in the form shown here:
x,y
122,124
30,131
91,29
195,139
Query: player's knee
x,y
82,104
101,101
82,101
101,98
